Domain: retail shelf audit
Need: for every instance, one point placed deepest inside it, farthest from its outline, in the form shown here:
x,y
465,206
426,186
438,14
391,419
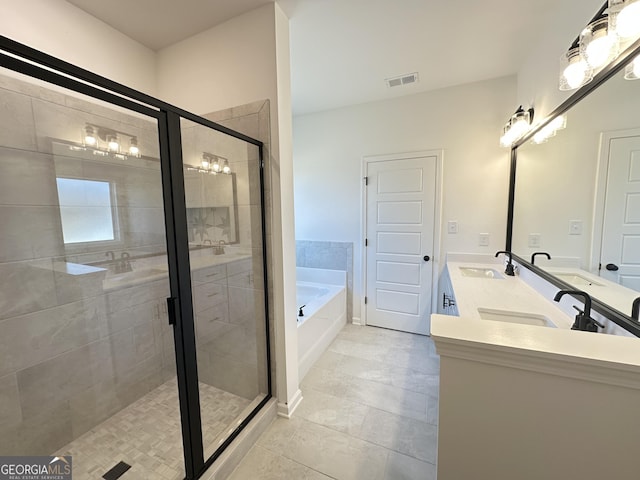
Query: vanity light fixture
x,y
90,136
517,126
576,72
210,164
625,15
599,43
632,71
104,141
550,129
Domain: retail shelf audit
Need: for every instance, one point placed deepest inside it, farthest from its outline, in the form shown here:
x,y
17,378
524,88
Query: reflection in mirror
x,y
578,196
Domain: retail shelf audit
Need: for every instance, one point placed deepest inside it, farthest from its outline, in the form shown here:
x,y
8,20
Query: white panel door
x,y
400,225
621,231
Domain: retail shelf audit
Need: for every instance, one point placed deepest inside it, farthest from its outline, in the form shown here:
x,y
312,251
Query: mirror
x,y
577,196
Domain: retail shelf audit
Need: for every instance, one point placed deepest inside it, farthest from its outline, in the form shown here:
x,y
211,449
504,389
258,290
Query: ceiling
x,y
343,50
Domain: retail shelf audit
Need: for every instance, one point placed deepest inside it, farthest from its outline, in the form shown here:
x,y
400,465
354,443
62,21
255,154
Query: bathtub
x,y
324,296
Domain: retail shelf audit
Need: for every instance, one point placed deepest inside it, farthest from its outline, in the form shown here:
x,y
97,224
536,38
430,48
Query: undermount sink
x,y
515,317
480,273
576,279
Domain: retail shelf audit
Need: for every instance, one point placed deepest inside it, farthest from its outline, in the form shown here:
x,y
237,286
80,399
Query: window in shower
x,y
86,210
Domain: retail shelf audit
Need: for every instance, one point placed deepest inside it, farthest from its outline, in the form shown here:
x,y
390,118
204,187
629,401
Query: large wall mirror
x,y
577,195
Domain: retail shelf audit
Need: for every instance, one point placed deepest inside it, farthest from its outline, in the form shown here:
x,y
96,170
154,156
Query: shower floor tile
x,y
147,435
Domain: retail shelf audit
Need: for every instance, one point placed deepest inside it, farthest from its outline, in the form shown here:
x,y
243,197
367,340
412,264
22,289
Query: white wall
x,y
62,30
465,121
539,73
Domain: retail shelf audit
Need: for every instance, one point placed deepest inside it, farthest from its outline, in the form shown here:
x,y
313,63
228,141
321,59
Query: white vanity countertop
x,y
610,351
469,335
507,293
613,294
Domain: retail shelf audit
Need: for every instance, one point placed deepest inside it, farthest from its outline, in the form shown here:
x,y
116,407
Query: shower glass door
x,y
224,224
87,362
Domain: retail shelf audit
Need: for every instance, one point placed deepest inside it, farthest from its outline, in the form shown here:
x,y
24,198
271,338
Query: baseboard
x,y
287,409
224,466
357,321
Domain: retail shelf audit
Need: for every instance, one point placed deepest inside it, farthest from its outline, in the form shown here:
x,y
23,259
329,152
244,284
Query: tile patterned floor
x,y
147,435
370,411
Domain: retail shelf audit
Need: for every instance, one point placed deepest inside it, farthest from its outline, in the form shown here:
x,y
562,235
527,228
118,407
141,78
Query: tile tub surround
x,y
370,411
331,256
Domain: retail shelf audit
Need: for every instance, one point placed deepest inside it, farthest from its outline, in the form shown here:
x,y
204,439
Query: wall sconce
x,y
517,126
212,164
106,141
599,43
550,129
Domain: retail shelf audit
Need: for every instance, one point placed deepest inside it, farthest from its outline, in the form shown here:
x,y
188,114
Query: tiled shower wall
x,y
329,255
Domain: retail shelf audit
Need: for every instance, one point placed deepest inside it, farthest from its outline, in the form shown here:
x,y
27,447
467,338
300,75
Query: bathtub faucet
x,y
300,312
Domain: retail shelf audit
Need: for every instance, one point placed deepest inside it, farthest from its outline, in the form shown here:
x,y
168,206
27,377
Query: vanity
x,y
522,395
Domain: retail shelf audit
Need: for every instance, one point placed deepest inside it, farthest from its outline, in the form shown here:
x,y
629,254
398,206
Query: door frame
x,y
600,197
437,221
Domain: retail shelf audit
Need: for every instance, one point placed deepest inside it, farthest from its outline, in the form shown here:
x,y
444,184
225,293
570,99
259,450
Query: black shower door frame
x,y
34,63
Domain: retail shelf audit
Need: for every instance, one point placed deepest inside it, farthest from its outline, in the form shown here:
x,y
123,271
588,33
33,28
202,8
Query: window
x,y
86,210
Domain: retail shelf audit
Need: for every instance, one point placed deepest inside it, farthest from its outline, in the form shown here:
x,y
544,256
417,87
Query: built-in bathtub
x,y
324,296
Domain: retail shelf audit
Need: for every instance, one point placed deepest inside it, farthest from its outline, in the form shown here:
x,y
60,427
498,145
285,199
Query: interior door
x,y
400,224
620,256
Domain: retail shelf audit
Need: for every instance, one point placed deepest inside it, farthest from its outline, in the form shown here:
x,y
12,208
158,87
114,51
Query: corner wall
x,y
465,121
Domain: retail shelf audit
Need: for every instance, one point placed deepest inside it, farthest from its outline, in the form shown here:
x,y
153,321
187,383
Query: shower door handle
x,y
172,304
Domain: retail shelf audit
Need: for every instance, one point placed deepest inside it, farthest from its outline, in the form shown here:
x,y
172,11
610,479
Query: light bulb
x,y
628,20
226,169
558,123
599,48
576,72
216,165
89,136
133,147
205,161
112,143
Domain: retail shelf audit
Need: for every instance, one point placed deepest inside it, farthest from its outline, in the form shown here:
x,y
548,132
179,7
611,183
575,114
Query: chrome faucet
x,y
583,319
533,256
204,242
219,249
509,270
635,309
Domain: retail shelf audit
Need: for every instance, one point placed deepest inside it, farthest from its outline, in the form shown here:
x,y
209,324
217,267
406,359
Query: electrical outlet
x,y
534,240
575,227
483,240
452,226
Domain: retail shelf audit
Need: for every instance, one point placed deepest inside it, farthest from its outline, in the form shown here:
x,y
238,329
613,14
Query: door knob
x,y
612,267
426,258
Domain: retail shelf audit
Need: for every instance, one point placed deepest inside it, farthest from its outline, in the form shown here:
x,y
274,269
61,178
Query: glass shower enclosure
x,y
133,303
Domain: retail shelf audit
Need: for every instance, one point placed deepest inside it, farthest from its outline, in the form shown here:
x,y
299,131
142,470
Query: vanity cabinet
x,y
446,295
210,300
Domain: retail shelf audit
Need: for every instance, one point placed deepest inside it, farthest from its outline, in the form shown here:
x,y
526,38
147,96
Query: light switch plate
x,y
452,226
575,227
483,240
534,240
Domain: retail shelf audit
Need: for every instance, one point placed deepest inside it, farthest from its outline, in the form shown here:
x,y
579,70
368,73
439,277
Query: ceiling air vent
x,y
402,80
